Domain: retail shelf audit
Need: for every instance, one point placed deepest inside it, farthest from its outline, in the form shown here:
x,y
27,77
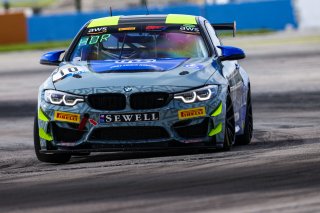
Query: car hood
x,y
178,73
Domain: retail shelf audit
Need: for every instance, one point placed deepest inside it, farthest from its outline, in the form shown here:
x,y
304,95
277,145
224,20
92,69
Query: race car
x,y
143,82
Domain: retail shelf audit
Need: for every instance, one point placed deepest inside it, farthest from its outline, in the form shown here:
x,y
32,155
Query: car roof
x,y
143,19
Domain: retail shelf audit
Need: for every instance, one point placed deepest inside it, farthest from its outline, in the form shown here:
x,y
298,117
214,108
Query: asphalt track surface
x,y
278,172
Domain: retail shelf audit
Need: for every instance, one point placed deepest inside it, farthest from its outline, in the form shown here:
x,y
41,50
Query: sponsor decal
x,y
129,117
93,122
138,65
190,28
126,28
155,28
67,72
192,113
91,40
97,30
67,117
194,66
135,61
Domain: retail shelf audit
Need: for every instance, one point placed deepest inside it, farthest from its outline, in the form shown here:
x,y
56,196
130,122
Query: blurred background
x,y
285,32
278,172
32,21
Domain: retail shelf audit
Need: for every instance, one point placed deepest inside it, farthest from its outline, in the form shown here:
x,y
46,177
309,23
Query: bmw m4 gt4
x,y
143,82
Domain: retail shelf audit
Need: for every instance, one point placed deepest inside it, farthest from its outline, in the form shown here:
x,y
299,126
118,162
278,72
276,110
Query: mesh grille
x,y
149,100
65,134
107,101
192,131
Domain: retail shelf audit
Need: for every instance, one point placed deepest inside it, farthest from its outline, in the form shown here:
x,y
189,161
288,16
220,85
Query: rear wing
x,y
226,26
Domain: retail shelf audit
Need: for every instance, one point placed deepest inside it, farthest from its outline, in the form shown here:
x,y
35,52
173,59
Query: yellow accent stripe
x,y
218,110
180,19
42,116
107,21
44,135
216,130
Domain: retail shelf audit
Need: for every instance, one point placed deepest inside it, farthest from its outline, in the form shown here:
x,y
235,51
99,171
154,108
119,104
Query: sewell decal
x,y
67,117
97,30
129,117
192,113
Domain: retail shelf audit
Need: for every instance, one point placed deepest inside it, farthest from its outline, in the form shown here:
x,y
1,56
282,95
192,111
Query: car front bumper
x,y
81,129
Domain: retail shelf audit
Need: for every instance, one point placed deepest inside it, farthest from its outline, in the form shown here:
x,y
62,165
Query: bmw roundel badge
x,y
127,89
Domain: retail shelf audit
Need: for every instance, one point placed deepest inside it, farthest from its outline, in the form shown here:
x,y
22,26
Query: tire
x,y
48,158
229,135
248,129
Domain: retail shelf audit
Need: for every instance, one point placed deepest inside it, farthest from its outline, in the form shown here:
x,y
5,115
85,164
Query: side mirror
x,y
51,58
231,53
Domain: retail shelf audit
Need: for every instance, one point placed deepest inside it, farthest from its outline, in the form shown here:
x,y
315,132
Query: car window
x,y
140,42
215,40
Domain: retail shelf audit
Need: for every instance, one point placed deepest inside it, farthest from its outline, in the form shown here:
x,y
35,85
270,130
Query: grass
x,y
30,3
35,46
244,32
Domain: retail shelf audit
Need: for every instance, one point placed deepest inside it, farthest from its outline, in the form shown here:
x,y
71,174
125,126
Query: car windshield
x,y
140,42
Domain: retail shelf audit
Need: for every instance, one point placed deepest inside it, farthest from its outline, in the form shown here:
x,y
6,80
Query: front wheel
x,y
48,158
248,129
229,133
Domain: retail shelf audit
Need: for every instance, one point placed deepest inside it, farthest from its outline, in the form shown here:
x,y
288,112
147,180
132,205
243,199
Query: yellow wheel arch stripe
x,y
42,116
44,135
217,111
180,19
107,21
216,130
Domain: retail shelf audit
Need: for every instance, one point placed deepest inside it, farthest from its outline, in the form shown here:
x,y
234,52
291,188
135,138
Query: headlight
x,y
201,94
61,98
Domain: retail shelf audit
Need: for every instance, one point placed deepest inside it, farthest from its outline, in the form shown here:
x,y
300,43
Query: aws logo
x,y
97,30
189,28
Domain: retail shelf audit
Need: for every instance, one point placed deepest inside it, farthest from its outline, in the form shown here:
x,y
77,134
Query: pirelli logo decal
x,y
192,113
67,117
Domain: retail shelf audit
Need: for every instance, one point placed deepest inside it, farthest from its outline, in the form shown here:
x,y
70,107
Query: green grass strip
x,y
35,46
244,32
29,3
